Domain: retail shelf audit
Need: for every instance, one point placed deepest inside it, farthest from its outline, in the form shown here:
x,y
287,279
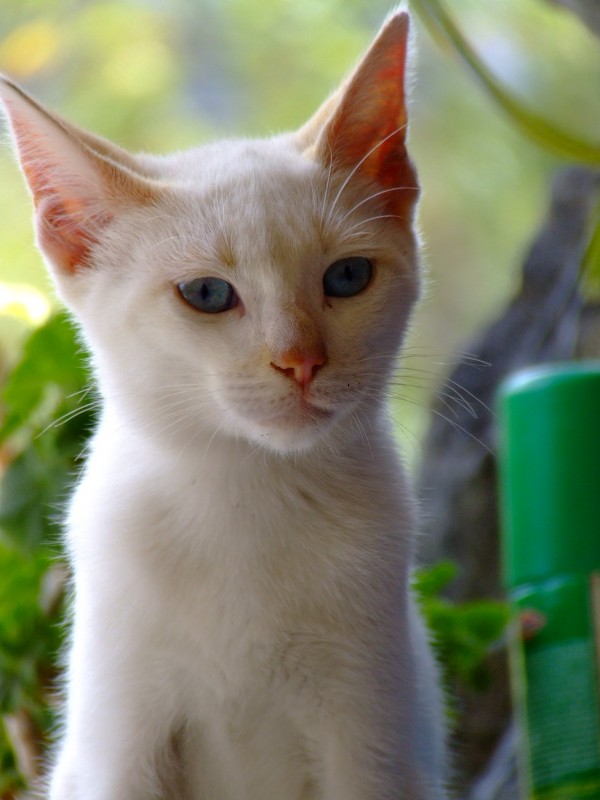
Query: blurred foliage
x,y
46,421
549,135
165,75
463,633
442,27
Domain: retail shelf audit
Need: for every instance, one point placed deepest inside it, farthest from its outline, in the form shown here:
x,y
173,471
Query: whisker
x,y
446,398
449,420
474,397
83,392
68,416
420,351
190,442
373,219
327,187
363,433
411,437
450,387
390,356
355,170
164,241
452,391
372,197
175,421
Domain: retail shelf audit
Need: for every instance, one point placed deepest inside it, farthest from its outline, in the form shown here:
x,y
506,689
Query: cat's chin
x,y
293,431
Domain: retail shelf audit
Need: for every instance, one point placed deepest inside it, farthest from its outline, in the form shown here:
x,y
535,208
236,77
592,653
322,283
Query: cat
x,y
242,534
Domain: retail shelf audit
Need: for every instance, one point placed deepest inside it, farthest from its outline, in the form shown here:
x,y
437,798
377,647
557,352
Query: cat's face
x,y
250,289
256,228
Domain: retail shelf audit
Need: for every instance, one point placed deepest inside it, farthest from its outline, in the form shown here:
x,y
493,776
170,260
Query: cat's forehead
x,y
263,204
245,164
249,200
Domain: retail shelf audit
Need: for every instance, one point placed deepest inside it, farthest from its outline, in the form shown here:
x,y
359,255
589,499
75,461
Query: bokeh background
x,y
161,75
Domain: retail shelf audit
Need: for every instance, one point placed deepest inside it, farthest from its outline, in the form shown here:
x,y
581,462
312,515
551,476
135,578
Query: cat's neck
x,y
350,486
352,441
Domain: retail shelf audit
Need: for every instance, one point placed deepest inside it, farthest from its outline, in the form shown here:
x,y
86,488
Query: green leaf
x,y
24,629
442,28
463,633
30,493
52,361
47,423
430,581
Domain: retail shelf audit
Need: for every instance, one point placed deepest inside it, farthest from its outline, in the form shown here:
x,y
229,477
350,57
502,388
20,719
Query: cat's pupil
x,y
209,295
347,277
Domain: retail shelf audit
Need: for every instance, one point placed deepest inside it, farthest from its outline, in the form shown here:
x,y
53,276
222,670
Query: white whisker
x,y
327,187
372,197
355,170
68,416
373,219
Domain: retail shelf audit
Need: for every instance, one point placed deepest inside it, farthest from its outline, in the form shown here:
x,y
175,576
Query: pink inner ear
x,y
368,131
66,227
65,232
378,151
77,185
67,223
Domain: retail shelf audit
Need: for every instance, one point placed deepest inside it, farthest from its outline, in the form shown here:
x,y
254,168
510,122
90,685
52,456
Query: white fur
x,y
244,628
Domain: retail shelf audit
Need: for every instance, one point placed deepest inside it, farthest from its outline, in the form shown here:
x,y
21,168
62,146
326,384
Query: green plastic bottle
x,y
550,498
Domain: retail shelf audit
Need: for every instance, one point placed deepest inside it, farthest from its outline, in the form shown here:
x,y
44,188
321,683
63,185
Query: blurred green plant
x,y
463,633
41,457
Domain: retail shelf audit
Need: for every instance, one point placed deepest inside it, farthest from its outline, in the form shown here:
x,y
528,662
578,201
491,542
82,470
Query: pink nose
x,y
301,367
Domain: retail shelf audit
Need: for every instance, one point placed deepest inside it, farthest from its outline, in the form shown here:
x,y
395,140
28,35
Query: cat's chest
x,y
219,568
228,612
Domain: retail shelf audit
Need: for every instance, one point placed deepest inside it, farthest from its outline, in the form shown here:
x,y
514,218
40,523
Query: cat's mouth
x,y
300,414
296,426
305,412
292,422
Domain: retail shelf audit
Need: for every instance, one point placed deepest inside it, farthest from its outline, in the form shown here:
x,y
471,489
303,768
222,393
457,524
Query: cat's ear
x,y
78,182
363,125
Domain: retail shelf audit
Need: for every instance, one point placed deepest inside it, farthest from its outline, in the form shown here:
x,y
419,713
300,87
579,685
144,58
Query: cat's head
x,y
255,289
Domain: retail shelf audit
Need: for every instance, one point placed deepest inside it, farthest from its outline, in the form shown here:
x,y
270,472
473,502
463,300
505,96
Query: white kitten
x,y
242,535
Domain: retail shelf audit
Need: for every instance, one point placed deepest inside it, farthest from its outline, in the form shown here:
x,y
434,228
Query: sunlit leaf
x,y
23,302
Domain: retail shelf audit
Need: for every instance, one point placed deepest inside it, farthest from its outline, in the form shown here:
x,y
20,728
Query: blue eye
x,y
210,295
347,277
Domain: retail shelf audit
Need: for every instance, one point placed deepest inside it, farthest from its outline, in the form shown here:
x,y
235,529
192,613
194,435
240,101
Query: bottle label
x,y
562,712
557,689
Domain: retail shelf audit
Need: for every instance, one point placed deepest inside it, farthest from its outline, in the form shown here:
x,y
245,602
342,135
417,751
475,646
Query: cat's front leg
x,y
103,769
117,724
382,722
362,761
82,772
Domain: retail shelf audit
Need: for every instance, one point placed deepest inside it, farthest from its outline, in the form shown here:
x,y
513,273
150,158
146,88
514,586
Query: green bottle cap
x,y
550,472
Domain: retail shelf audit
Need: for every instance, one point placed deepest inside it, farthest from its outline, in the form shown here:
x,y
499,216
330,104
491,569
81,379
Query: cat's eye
x,y
209,295
347,277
